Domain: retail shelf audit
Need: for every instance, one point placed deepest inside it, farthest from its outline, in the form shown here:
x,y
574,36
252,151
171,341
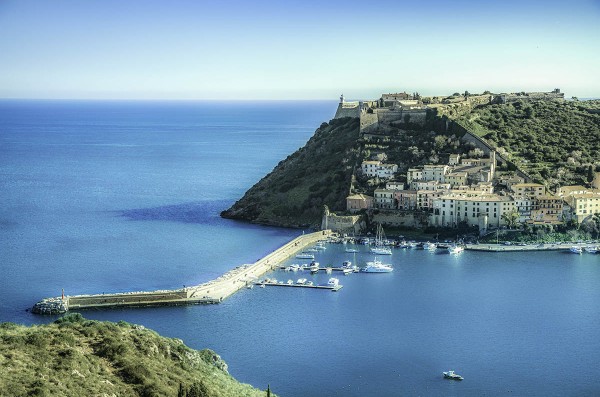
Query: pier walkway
x,y
210,292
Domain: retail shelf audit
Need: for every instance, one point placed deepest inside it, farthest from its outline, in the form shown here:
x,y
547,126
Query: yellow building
x,y
529,189
357,202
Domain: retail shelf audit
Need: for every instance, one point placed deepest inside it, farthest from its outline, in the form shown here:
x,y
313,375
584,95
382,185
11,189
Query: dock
x,y
329,287
214,291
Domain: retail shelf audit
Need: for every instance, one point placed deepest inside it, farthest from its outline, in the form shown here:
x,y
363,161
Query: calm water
x,y
101,196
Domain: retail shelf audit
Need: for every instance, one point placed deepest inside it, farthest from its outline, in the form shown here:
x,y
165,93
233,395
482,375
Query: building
x,y
429,185
476,210
454,159
584,205
548,210
433,172
394,185
456,179
384,199
425,198
524,205
377,169
414,174
357,202
406,199
529,189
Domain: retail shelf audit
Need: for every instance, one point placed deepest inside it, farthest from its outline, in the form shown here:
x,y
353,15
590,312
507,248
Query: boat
x,y
575,250
262,285
314,267
305,255
328,270
591,250
250,286
309,283
351,250
429,246
376,266
347,271
380,248
320,247
301,281
452,375
290,282
455,249
333,282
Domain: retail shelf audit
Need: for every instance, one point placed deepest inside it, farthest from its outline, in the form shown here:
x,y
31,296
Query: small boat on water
x,y
455,249
314,267
333,282
575,249
290,282
591,250
301,281
452,375
377,266
429,246
309,283
351,250
305,255
347,271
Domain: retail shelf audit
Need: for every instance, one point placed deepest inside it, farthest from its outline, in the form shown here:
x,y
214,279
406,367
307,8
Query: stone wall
x,y
347,109
401,218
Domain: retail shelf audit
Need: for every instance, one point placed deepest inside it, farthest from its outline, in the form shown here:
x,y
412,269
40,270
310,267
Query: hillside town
x,y
470,191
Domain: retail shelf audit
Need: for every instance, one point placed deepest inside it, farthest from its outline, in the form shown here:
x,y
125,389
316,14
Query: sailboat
x,y
379,248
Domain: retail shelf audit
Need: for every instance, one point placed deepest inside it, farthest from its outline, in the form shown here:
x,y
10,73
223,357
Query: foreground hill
x,y
78,357
557,142
293,194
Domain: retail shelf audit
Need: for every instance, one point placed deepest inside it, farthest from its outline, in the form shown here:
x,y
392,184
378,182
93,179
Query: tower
x,y
342,98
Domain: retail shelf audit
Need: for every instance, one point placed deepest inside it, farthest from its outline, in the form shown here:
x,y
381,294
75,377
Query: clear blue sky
x,y
230,49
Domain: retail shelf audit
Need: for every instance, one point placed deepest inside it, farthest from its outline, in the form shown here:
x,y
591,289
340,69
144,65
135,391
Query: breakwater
x,y
213,291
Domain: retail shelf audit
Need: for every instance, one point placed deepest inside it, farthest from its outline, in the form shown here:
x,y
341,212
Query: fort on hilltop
x,y
396,108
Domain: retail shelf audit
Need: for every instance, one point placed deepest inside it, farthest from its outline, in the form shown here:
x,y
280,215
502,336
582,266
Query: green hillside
x,y
553,141
318,174
78,357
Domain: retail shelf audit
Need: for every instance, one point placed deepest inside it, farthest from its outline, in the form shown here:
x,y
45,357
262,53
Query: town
x,y
479,189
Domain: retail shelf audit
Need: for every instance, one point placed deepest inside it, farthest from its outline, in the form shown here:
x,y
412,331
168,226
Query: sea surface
x,y
125,196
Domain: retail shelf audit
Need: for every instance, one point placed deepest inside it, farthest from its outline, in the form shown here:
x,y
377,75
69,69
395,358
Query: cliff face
x,y
78,357
293,194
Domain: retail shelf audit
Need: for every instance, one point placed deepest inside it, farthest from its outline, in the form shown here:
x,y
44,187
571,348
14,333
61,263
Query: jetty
x,y
295,285
213,291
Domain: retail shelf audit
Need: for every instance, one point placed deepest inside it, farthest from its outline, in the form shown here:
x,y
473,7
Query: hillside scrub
x,y
318,174
553,141
79,357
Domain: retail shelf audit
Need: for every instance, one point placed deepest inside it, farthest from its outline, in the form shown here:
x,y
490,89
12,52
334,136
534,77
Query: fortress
x,y
402,108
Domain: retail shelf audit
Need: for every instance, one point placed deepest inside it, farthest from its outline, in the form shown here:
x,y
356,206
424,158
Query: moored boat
x,y
455,249
377,266
305,255
575,249
429,246
333,282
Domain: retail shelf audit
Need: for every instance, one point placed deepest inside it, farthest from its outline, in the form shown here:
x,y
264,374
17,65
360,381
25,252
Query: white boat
x,y
314,267
455,249
320,246
377,267
262,285
429,246
575,249
250,286
380,248
333,282
591,250
301,281
351,250
305,255
452,375
309,283
348,271
290,282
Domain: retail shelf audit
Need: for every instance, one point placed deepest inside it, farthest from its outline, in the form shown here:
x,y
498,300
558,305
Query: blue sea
x,y
101,196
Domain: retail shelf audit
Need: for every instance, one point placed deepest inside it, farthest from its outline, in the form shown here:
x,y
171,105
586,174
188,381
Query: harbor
x,y
214,291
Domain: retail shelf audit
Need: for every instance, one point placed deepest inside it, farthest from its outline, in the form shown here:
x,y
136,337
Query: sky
x,y
261,49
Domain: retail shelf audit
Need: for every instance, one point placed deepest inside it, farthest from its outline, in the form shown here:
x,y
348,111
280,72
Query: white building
x,y
384,199
451,209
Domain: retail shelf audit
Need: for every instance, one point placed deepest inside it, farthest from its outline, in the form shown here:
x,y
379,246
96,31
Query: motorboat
x,y
381,251
301,281
347,271
455,249
351,250
295,267
314,267
333,282
290,282
305,255
452,375
377,266
591,250
429,246
575,249
320,247
309,283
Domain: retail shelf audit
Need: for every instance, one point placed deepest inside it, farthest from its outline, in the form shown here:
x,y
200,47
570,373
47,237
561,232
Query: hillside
x,y
78,357
553,141
293,194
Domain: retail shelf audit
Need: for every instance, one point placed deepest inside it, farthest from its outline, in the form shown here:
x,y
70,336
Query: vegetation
x,y
79,357
318,174
553,141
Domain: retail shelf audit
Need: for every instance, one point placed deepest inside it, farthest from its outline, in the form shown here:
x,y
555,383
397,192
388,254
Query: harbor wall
x,y
211,292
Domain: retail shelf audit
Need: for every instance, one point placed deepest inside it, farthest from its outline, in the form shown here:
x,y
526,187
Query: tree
x,y
510,218
181,392
268,390
198,390
590,174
